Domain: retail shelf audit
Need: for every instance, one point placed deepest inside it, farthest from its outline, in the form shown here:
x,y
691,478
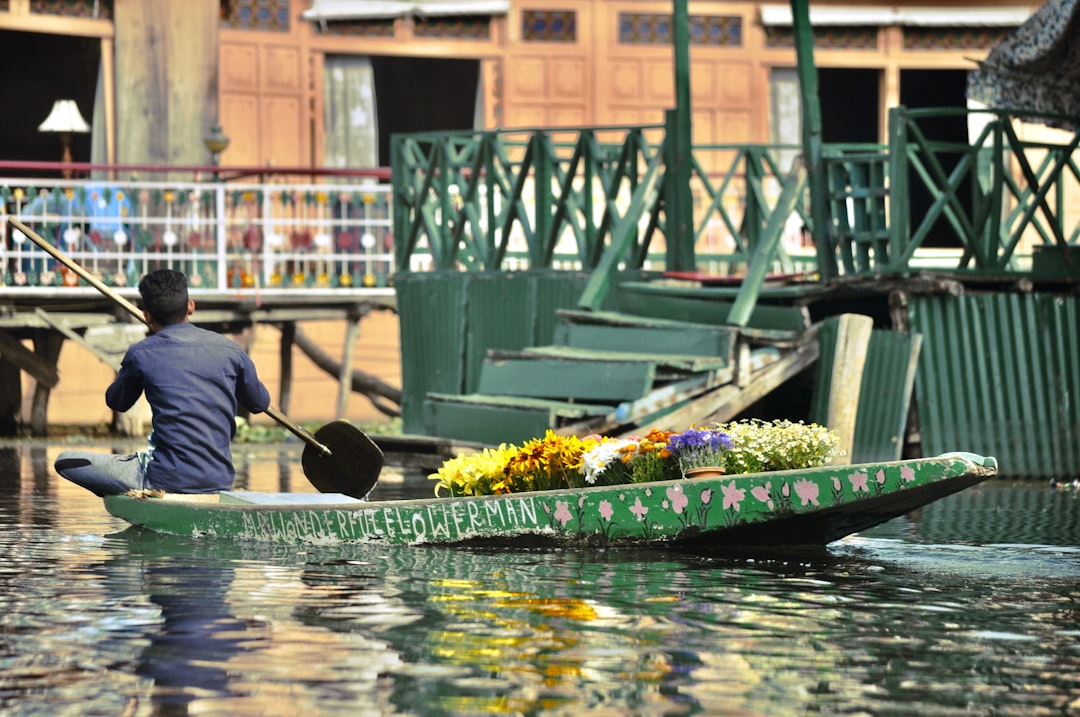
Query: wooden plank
x,y
721,403
616,318
852,340
671,362
688,400
661,340
726,402
22,320
541,377
673,394
559,409
496,419
483,424
109,352
706,306
26,360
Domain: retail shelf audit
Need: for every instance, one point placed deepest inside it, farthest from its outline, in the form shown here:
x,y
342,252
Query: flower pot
x,y
704,472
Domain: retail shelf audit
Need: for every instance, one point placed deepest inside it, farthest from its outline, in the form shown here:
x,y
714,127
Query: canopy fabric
x,y
1036,67
381,9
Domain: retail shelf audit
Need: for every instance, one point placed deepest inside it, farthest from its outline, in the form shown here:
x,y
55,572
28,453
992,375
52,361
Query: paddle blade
x,y
353,465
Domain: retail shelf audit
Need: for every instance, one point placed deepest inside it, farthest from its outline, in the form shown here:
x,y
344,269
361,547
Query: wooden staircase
x,y
619,373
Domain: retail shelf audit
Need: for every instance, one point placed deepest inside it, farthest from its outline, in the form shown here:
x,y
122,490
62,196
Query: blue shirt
x,y
194,380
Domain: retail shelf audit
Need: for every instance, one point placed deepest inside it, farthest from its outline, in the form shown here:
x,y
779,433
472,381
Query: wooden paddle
x,y
338,458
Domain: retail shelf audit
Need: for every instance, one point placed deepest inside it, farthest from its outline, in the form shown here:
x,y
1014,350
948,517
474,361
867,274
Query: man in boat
x,y
194,380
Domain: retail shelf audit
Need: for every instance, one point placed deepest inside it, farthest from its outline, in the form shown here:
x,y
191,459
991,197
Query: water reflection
x,y
528,632
197,634
922,616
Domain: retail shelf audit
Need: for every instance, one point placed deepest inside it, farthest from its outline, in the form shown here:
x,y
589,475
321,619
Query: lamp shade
x,y
64,117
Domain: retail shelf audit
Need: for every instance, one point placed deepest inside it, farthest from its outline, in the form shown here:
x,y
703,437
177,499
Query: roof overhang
x,y
858,16
324,10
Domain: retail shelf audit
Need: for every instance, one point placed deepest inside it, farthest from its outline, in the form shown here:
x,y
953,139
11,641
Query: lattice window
x,y
953,38
267,15
637,28
378,27
458,27
832,37
99,10
549,26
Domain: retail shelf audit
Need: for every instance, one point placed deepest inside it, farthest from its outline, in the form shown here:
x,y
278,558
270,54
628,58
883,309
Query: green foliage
x,y
274,433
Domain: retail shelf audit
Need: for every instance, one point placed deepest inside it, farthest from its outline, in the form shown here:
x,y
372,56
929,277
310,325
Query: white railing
x,y
224,236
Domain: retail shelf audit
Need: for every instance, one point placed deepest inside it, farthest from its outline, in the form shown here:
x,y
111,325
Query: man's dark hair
x,y
165,296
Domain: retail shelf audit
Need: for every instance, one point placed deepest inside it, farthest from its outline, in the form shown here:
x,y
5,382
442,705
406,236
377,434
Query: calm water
x,y
971,607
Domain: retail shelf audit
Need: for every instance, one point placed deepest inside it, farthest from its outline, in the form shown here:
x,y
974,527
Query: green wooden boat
x,y
812,506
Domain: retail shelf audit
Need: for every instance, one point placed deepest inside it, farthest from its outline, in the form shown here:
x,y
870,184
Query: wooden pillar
x,y
845,384
288,338
47,345
166,69
811,140
679,204
10,397
352,333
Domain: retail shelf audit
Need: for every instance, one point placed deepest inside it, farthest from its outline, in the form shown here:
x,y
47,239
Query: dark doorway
x,y
937,88
850,108
41,69
416,94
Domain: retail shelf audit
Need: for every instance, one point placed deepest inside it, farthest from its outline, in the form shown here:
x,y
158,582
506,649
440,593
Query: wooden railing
x,y
990,206
529,198
478,200
562,199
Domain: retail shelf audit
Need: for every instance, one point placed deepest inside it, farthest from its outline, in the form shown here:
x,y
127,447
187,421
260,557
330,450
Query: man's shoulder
x,y
203,335
186,333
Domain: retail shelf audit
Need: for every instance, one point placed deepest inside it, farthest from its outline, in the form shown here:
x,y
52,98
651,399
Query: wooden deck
x,y
47,317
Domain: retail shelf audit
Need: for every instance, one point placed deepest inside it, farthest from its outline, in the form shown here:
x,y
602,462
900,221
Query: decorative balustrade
x,y
224,236
514,199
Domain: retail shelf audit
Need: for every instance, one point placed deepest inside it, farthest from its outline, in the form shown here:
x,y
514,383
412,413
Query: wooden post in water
x,y
852,341
47,345
288,338
352,333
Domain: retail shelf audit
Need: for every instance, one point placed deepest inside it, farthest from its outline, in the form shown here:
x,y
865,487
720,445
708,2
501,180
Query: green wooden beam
x,y
811,136
764,250
679,229
566,379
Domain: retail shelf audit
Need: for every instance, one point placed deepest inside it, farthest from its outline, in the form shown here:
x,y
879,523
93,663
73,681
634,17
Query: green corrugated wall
x,y
999,374
431,324
449,320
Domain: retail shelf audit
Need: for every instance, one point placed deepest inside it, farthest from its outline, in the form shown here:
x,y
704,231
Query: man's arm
x,y
126,388
250,391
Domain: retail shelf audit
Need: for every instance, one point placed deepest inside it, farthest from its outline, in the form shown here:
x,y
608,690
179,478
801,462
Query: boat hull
x,y
803,507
